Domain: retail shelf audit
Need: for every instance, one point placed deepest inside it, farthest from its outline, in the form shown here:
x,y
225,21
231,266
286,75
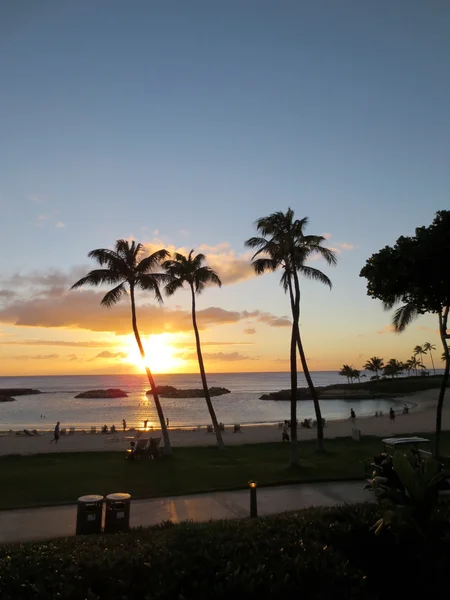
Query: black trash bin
x,y
89,514
117,513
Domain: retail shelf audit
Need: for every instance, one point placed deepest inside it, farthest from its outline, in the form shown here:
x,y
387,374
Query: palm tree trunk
x,y
293,367
312,389
432,362
167,446
443,331
209,403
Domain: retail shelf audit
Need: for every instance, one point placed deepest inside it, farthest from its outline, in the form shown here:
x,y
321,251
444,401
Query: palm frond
x,y
328,255
315,274
173,286
104,256
151,283
152,261
262,265
98,277
255,242
403,317
114,295
204,275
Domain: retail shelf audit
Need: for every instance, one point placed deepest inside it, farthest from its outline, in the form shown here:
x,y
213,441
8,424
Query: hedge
x,y
312,554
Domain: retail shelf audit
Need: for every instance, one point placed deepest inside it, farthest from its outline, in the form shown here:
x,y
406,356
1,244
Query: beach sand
x,y
420,419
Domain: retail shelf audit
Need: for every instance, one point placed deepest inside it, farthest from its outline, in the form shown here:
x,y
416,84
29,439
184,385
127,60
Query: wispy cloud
x,y
37,198
57,343
386,329
107,354
35,357
219,356
41,220
249,330
60,224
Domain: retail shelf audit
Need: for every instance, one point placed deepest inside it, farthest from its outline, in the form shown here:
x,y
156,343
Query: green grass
x,y
47,479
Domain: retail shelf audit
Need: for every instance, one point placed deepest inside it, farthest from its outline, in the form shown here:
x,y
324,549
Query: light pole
x,y
253,500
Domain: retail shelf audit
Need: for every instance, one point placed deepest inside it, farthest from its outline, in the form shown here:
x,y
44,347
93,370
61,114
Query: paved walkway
x,y
59,521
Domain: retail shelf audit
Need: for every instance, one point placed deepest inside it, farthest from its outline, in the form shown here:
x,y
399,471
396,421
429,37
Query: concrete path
x,y
53,522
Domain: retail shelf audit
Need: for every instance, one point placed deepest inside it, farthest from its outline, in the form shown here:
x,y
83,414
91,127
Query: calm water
x,y
57,402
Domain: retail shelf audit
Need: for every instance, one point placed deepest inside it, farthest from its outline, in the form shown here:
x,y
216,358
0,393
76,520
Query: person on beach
x,y
55,434
145,424
124,424
352,415
285,433
167,423
392,414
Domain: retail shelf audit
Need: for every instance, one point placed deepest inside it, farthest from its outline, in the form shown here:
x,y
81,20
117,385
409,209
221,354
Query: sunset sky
x,y
178,123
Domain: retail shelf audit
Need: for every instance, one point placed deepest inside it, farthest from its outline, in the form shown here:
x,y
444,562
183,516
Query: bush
x,y
313,554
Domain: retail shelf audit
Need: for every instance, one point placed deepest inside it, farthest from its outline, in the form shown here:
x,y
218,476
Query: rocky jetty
x,y
168,391
18,391
109,393
6,399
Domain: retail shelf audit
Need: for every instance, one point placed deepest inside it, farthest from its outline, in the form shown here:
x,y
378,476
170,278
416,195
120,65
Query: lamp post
x,y
253,500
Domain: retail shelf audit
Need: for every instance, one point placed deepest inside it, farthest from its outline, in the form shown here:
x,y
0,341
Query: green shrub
x,y
313,554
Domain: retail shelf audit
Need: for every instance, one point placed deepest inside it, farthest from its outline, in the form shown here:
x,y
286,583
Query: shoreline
x,y
421,419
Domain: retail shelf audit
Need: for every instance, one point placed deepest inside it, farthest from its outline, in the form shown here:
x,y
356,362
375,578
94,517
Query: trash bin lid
x,y
90,498
118,497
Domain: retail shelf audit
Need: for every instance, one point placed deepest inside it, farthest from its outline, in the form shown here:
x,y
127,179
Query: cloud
x,y
41,219
36,357
327,236
47,302
249,330
60,224
6,293
57,343
346,246
219,356
72,357
386,329
107,354
268,318
37,198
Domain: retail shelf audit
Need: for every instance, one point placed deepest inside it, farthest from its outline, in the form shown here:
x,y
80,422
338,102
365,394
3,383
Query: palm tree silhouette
x,y
374,365
190,270
349,372
125,267
419,351
283,244
429,348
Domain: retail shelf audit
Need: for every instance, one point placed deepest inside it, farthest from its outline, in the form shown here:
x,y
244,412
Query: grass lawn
x,y
48,479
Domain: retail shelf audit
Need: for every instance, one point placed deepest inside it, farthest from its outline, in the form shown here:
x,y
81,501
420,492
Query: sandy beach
x,y
420,419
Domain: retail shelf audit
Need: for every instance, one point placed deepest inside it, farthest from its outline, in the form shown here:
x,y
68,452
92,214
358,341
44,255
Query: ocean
x,y
242,405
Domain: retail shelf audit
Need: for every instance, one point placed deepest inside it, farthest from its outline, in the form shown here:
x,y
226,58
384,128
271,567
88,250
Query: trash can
x,y
89,514
117,513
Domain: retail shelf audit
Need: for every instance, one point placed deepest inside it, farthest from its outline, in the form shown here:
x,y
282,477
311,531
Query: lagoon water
x,y
57,402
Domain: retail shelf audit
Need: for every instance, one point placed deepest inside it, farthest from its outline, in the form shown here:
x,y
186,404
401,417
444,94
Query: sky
x,y
178,123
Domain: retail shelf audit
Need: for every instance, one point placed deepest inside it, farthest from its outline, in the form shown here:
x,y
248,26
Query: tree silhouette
x,y
374,364
413,273
282,244
128,269
191,271
430,348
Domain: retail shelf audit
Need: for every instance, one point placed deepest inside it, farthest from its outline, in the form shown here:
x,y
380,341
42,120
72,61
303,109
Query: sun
x,y
160,356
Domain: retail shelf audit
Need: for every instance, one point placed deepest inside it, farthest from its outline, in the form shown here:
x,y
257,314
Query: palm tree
x,y
429,348
283,244
374,365
393,368
190,270
419,351
127,269
356,374
347,371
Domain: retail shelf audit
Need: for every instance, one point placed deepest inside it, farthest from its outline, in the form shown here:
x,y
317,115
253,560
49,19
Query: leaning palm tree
x,y
419,351
127,269
283,244
190,270
430,348
374,365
